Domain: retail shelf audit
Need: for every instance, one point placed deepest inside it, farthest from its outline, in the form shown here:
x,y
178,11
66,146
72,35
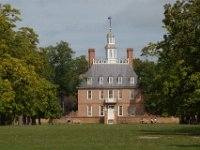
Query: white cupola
x,y
111,50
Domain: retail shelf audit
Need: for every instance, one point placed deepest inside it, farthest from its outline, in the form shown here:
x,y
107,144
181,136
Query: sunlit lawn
x,y
100,137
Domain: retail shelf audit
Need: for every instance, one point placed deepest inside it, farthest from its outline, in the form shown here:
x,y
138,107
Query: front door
x,y
111,114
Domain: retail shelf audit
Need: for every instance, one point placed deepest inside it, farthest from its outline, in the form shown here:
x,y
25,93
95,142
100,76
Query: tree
x,y
179,59
8,17
66,72
7,97
23,89
149,79
30,95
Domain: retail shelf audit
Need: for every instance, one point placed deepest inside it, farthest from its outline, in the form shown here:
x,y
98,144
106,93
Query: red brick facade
x,y
95,102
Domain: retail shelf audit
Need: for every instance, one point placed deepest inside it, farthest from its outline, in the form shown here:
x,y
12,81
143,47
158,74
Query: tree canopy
x,y
176,82
66,72
24,91
33,79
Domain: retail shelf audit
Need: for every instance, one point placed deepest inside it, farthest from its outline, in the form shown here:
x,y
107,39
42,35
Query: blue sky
x,y
84,23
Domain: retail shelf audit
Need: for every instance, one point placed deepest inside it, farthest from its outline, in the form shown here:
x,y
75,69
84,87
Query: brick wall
x,y
95,102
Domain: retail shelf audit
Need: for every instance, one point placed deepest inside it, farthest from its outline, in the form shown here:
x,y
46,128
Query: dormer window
x,y
132,80
89,81
100,80
110,80
119,80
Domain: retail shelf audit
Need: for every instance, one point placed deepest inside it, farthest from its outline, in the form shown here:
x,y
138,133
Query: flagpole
x,y
109,18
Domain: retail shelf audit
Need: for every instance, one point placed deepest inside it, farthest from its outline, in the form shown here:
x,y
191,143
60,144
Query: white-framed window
x,y
132,80
110,80
120,94
110,94
100,80
119,80
101,94
89,81
101,110
89,111
89,94
132,94
120,110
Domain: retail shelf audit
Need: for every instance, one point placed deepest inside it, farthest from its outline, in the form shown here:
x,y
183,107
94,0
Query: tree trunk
x,y
33,119
39,121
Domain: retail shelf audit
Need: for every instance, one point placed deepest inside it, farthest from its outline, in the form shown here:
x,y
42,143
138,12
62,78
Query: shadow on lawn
x,y
183,130
188,146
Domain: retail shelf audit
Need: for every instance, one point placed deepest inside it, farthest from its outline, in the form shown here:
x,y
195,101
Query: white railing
x,y
106,61
110,100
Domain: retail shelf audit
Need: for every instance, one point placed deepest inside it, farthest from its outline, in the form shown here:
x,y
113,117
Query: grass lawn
x,y
101,137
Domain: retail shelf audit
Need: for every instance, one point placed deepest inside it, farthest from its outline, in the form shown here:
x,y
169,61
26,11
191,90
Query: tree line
x,y
34,81
171,85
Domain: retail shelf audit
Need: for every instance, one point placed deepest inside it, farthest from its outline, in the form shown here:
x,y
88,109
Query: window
x,y
100,80
111,94
119,80
110,80
111,54
119,94
101,96
89,81
101,110
132,111
120,111
89,94
132,94
132,80
89,111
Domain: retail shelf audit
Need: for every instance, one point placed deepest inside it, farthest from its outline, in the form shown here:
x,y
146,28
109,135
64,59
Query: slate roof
x,y
109,70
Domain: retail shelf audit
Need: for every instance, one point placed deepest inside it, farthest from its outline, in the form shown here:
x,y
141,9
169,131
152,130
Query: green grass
x,y
101,137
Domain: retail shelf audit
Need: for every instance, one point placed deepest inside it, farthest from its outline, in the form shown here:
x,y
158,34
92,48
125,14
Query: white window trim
x,y
89,115
120,98
88,95
100,80
112,94
89,81
100,95
119,112
132,80
119,80
110,80
100,111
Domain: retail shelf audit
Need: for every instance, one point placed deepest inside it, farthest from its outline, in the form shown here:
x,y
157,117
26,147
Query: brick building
x,y
109,91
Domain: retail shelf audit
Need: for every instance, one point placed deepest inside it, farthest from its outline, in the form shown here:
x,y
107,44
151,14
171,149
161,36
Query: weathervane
x,y
109,18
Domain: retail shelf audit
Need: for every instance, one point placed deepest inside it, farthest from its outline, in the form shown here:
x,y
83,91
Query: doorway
x,y
111,114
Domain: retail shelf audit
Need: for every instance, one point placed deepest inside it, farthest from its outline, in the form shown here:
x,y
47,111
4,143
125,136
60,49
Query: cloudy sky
x,y
84,23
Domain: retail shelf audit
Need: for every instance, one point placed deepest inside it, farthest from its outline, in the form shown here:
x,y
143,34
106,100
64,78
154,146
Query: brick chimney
x,y
91,55
130,56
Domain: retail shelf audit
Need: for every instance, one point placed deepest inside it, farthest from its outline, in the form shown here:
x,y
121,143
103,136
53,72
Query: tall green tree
x,y
24,91
149,79
66,72
179,58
